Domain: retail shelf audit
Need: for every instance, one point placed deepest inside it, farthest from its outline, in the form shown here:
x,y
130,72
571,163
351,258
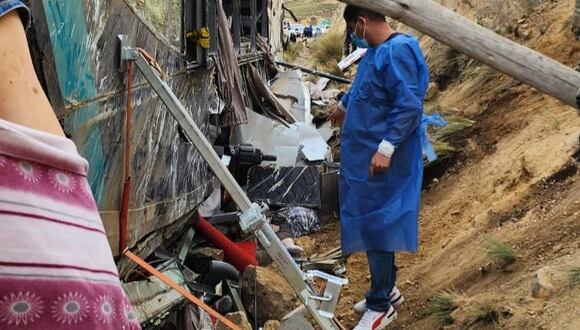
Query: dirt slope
x,y
516,180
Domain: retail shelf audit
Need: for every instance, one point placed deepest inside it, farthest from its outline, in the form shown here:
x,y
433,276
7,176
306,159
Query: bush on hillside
x,y
327,52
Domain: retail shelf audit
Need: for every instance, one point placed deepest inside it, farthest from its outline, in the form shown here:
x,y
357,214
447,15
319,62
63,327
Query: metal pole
x,y
314,72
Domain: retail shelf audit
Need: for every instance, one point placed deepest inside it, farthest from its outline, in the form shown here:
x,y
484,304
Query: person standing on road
x,y
381,157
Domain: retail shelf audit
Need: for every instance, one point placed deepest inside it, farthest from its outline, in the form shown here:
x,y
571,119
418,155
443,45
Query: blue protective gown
x,y
385,102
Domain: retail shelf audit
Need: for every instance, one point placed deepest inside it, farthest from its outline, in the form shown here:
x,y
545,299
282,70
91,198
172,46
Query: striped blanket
x,y
56,267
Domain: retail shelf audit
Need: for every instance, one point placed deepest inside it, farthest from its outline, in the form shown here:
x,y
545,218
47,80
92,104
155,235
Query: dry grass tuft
x,y
486,313
293,51
327,52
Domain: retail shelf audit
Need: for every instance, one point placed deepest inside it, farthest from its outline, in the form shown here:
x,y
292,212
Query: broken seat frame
x,y
252,218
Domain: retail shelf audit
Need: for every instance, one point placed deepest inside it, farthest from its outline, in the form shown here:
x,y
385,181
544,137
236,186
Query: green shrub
x,y
500,251
442,305
574,276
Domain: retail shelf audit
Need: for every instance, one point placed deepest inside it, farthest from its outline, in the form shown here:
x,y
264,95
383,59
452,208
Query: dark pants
x,y
383,276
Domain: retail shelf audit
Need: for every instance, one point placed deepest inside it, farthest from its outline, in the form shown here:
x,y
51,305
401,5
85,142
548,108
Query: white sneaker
x,y
372,320
396,297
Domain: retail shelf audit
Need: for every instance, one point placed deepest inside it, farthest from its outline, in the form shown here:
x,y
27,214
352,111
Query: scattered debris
x,y
329,189
229,80
285,186
235,255
352,58
217,272
151,297
238,318
266,295
196,319
272,325
332,262
302,221
296,320
264,100
207,252
240,158
290,144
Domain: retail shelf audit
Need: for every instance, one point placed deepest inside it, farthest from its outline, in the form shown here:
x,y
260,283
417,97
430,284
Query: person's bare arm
x,y
22,100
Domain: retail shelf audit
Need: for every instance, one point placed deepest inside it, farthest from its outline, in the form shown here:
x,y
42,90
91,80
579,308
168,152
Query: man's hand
x,y
337,117
379,163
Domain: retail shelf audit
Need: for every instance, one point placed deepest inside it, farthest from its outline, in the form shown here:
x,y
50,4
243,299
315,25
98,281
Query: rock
x,y
549,281
330,94
432,91
543,283
272,325
265,291
526,34
239,318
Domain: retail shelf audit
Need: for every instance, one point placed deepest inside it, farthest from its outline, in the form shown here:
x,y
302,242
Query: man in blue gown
x,y
381,157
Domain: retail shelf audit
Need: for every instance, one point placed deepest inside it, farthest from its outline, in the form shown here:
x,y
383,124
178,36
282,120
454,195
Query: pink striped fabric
x,y
56,266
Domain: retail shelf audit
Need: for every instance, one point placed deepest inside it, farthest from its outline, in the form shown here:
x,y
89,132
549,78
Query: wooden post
x,y
502,54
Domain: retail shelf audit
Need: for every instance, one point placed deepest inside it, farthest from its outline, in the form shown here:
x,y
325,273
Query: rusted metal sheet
x,y
229,78
80,64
